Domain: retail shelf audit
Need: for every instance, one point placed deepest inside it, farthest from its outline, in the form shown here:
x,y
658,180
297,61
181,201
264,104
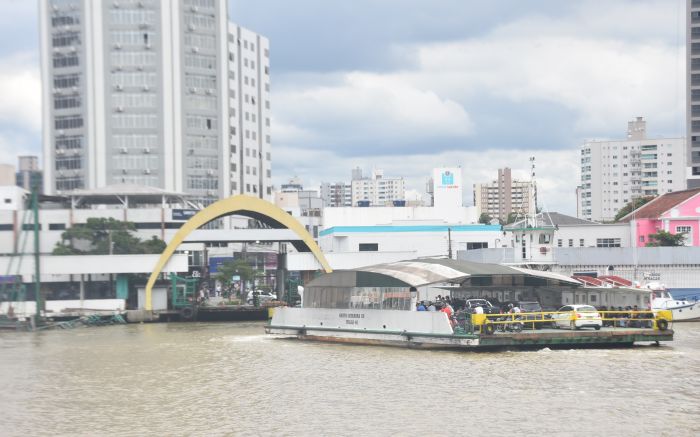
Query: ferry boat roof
x,y
426,271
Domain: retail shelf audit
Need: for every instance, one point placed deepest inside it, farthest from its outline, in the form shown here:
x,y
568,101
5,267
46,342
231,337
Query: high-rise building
x,y
504,196
29,176
336,194
304,205
615,172
692,99
166,94
7,175
377,190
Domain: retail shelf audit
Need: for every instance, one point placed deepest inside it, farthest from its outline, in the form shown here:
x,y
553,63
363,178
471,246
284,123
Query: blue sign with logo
x,y
448,178
183,214
217,261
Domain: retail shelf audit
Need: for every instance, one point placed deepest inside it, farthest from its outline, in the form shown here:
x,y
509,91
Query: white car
x,y
263,296
583,316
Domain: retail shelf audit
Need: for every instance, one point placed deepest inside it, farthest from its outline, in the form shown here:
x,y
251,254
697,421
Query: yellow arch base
x,y
229,206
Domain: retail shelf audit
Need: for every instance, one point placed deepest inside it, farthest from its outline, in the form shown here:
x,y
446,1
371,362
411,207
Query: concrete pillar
x,y
82,292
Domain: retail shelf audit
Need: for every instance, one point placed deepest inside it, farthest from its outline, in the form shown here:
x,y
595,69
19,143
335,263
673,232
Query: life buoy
x,y
187,313
489,328
662,324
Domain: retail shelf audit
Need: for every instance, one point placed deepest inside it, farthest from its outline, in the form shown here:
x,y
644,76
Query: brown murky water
x,y
230,379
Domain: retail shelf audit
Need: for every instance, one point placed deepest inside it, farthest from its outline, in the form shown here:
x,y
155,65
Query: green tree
x,y
237,267
512,217
101,236
484,218
663,238
631,206
154,245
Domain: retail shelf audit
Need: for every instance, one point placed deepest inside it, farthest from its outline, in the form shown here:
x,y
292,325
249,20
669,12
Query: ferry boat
x,y
377,305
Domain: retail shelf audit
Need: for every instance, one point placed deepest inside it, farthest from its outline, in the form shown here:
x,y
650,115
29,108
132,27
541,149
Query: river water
x,y
230,379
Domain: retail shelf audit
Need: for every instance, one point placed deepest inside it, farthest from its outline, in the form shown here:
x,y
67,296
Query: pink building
x,y
677,212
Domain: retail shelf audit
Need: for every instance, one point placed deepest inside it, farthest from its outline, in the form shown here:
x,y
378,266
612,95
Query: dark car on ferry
x,y
528,307
471,304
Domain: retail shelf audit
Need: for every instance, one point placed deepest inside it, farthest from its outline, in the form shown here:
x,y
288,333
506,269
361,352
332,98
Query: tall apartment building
x,y
692,99
304,205
28,174
166,94
615,172
377,190
7,175
504,196
336,194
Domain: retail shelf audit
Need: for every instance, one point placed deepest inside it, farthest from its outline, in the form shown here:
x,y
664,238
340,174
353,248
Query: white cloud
x,y
20,88
603,65
367,105
14,144
605,82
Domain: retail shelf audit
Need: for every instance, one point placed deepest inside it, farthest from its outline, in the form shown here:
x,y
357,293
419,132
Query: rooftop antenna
x,y
533,191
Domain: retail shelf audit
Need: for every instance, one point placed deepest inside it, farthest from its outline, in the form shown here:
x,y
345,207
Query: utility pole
x,y
449,242
37,269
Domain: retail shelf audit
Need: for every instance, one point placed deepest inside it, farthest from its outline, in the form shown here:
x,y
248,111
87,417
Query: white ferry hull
x,y
690,313
417,329
683,311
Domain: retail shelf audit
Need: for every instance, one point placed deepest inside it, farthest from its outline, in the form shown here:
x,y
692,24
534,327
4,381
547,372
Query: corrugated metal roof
x,y
548,275
420,272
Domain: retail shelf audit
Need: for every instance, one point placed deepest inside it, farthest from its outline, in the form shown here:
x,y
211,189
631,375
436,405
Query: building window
x,y
60,60
580,242
368,247
69,122
479,245
560,243
571,242
687,231
608,242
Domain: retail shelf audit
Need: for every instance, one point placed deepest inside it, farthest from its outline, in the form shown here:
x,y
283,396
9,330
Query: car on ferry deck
x,y
471,304
585,316
528,307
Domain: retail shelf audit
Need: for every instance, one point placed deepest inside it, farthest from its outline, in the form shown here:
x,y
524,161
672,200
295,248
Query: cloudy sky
x,y
408,85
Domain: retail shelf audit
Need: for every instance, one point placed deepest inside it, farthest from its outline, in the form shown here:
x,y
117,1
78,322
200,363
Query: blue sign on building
x,y
216,261
183,214
448,178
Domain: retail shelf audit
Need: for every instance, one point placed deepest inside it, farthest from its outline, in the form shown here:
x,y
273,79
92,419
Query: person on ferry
x,y
432,307
421,306
447,309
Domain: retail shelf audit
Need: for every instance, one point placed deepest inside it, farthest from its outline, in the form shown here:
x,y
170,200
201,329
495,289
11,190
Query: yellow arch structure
x,y
244,205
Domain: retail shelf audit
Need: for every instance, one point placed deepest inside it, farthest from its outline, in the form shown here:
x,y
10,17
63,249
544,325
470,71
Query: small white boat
x,y
682,310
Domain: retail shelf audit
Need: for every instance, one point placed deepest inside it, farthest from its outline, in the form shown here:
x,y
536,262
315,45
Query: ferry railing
x,y
658,320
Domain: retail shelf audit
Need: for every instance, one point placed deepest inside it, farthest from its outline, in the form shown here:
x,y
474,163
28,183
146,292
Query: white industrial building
x,y
572,246
304,205
155,93
350,234
615,172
